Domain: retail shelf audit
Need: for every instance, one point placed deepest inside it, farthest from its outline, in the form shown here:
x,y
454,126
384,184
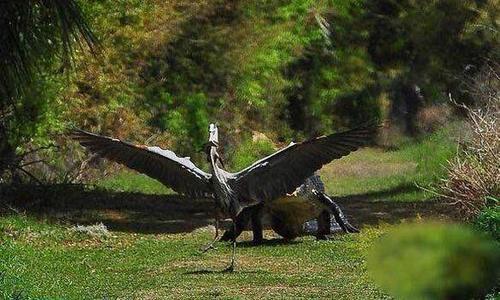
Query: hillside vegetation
x,y
287,69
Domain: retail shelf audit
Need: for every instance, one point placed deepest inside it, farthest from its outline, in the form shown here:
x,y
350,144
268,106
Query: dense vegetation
x,y
287,69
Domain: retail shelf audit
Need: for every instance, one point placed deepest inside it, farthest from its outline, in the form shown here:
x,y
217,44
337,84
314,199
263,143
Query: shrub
x,y
473,175
432,117
489,220
435,261
250,150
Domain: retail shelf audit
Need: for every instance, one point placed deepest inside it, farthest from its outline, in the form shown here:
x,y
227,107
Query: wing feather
x,y
178,173
286,169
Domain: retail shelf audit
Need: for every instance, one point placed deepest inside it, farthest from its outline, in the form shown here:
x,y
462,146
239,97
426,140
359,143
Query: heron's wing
x,y
285,170
178,173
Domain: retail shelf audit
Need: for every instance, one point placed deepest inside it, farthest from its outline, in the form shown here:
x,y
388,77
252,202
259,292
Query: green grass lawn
x,y
392,175
47,261
42,259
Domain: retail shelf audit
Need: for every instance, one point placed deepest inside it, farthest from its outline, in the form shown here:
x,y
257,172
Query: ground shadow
x,y
222,271
119,211
142,213
369,208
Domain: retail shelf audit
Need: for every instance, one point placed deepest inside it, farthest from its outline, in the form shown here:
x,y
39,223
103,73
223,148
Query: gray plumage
x,y
178,173
265,180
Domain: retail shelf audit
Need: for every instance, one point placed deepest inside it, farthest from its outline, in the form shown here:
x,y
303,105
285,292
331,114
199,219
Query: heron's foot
x,y
322,237
209,247
348,228
229,269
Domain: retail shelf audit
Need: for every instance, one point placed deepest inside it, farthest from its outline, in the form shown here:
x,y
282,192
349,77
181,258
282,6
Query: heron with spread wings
x,y
270,178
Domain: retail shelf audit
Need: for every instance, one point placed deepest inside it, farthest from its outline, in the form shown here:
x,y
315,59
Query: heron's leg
x,y
216,238
335,209
239,224
323,225
231,266
256,219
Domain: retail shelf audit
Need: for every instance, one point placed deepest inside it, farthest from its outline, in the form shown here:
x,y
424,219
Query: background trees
x,y
288,69
37,40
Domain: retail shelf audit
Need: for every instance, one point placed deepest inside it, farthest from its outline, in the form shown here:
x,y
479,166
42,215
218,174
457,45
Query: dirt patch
x,y
365,170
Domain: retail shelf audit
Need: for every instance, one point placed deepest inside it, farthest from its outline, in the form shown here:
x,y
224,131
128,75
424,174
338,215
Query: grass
x,y
48,261
42,259
128,181
392,175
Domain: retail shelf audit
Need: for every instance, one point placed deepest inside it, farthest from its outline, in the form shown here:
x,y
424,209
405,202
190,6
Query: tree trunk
x,y
7,153
406,103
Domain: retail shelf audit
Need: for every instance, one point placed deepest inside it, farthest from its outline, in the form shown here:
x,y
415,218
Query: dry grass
x,y
430,118
474,174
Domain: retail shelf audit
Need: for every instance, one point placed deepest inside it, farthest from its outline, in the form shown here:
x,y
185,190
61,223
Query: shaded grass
x,y
46,261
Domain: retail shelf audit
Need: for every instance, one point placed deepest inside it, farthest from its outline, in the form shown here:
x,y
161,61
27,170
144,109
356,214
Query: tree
x,y
421,47
35,36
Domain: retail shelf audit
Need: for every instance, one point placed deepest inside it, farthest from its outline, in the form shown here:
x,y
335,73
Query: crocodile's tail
x,y
336,211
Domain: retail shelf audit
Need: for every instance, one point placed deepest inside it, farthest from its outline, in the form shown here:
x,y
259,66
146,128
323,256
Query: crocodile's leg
x,y
251,214
256,219
323,225
335,209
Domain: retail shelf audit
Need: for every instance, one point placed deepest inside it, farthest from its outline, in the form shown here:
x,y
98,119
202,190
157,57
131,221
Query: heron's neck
x,y
215,161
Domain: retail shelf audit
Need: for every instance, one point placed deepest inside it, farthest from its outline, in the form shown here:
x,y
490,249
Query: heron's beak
x,y
214,135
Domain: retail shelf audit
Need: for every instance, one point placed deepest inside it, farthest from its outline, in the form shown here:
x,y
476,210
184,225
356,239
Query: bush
x,y
473,175
435,261
251,150
489,221
432,117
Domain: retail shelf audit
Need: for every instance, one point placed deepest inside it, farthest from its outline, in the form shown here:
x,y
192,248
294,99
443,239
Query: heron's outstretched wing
x,y
282,172
178,173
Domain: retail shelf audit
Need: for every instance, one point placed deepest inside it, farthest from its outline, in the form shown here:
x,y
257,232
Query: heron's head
x,y
213,134
213,139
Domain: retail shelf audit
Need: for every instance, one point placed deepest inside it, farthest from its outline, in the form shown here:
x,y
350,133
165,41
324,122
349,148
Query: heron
x,y
269,178
308,210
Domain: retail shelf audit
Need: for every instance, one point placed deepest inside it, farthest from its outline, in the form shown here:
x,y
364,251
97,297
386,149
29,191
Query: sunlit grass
x,y
392,175
129,181
39,260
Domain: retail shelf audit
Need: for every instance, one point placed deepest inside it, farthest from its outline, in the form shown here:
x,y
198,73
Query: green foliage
x,y
288,69
249,151
489,220
188,122
34,120
37,45
435,261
